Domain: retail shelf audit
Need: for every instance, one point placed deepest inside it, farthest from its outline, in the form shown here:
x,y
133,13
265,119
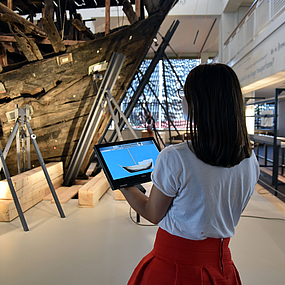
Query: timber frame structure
x,y
45,65
54,31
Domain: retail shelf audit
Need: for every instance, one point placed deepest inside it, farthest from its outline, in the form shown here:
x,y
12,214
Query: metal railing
x,y
260,14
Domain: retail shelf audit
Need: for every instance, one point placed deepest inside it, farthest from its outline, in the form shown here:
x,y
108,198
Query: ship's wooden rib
x,y
128,9
53,35
82,28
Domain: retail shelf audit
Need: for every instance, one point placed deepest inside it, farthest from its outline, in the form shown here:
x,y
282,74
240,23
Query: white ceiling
x,y
195,33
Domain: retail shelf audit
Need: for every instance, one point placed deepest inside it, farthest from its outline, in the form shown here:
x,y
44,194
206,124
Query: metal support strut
x,y
85,140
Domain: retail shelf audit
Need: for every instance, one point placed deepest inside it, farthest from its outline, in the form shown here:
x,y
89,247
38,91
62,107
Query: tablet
x,y
127,163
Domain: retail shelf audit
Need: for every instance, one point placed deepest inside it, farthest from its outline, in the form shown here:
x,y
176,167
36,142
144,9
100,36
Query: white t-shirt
x,y
208,200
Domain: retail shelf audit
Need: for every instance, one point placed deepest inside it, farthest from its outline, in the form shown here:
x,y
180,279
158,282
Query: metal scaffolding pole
x,y
111,74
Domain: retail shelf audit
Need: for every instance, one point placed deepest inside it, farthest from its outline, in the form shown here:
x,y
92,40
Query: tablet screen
x,y
127,163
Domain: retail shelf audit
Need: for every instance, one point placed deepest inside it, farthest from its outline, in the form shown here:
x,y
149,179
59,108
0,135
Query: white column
x,y
249,113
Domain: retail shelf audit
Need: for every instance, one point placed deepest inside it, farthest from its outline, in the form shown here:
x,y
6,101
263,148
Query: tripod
x,y
23,115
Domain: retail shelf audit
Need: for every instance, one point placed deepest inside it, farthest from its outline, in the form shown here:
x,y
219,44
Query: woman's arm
x,y
152,208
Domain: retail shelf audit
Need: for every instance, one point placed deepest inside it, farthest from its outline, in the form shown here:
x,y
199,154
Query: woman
x,y
200,187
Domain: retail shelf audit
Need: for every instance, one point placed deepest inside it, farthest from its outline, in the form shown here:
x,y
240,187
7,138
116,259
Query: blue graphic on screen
x,y
130,159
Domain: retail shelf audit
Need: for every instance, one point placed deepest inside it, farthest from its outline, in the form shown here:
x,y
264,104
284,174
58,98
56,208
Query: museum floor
x,y
102,245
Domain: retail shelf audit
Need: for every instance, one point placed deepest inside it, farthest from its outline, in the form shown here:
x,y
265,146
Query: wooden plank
x,y
5,190
152,6
10,4
26,48
40,40
7,15
138,8
119,196
91,192
48,8
92,182
107,17
6,206
128,9
27,181
33,46
67,194
32,179
53,35
8,210
79,25
58,191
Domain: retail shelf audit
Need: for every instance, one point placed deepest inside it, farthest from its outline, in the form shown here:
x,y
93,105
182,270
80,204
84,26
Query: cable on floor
x,y
271,188
138,223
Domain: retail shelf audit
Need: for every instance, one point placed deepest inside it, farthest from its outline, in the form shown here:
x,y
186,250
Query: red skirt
x,y
179,261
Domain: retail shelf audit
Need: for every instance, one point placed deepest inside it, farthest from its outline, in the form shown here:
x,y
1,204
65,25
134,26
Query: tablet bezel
x,y
123,182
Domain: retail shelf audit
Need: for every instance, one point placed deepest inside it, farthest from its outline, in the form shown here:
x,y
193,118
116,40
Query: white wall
x,y
265,59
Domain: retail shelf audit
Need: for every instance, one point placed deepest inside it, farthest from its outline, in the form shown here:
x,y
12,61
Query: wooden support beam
x,y
90,193
107,17
31,45
7,15
138,8
152,6
31,187
128,9
26,49
24,46
79,25
40,41
53,35
49,8
10,4
64,194
3,55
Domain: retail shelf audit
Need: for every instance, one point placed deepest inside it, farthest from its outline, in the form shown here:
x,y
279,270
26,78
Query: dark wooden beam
x,y
40,41
53,35
8,16
79,25
107,17
3,56
152,6
10,4
31,44
49,8
128,10
138,8
24,46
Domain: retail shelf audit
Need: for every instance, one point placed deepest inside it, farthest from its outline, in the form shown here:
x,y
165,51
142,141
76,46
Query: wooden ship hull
x,y
60,92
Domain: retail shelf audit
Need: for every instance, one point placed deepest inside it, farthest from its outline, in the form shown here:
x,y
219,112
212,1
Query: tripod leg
x,y
114,117
13,192
10,140
33,137
28,140
122,114
18,142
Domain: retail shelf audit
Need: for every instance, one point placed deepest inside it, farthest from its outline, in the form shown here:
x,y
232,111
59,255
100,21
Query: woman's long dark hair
x,y
216,115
